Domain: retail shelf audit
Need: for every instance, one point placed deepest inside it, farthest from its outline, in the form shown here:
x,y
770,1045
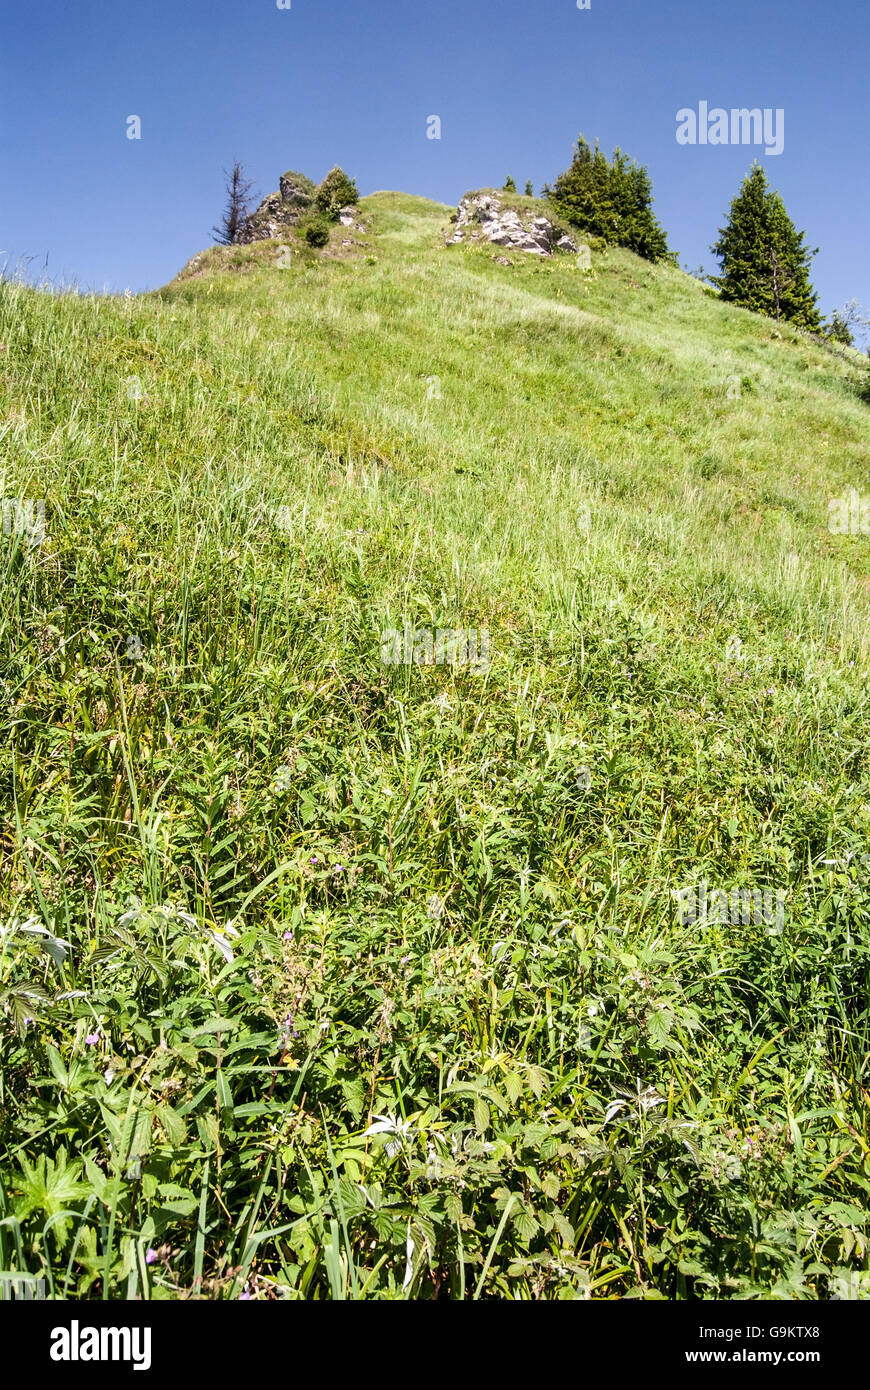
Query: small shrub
x,y
316,232
336,192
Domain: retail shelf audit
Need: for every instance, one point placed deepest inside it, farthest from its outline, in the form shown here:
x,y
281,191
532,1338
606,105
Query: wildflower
x,y
92,1039
286,1031
288,936
150,1256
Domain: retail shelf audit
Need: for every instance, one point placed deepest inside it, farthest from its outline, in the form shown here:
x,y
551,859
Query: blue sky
x,y
353,82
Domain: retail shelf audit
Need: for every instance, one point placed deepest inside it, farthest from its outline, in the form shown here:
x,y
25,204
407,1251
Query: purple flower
x,y
313,859
287,1030
288,936
150,1256
92,1039
244,1296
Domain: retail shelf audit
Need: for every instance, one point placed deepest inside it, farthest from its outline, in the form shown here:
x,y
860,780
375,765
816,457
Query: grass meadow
x,y
325,978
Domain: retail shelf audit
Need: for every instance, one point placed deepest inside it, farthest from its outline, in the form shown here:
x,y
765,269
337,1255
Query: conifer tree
x,y
530,191
765,261
610,200
509,185
632,198
238,187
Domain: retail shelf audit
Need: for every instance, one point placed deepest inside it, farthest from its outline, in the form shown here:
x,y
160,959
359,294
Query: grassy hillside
x,y
298,894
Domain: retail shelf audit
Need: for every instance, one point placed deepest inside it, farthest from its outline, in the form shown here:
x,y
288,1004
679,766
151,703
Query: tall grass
x,y
356,986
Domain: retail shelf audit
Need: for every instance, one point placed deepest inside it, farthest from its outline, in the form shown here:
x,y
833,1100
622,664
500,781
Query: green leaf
x,y
58,1069
173,1125
214,1025
225,1095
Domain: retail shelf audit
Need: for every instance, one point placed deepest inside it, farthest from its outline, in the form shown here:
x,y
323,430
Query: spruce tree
x,y
632,197
530,191
238,187
509,185
610,200
765,261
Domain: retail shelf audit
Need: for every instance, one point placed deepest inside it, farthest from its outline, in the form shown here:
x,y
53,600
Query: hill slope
x,y
303,888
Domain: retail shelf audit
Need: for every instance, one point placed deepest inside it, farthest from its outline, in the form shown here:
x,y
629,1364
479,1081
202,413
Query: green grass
x,y
302,890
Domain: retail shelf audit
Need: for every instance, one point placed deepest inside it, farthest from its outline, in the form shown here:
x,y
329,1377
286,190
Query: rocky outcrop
x,y
296,190
348,218
281,211
272,219
489,217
